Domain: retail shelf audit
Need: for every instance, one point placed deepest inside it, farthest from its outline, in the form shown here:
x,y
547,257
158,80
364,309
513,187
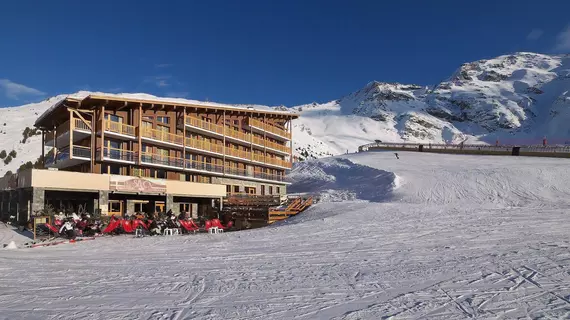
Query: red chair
x,y
126,224
111,226
137,223
208,225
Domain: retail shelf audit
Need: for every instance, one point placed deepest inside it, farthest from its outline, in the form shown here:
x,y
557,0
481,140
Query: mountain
x,y
517,98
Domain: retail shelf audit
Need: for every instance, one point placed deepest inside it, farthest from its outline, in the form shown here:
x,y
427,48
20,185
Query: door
x,y
159,206
262,190
116,207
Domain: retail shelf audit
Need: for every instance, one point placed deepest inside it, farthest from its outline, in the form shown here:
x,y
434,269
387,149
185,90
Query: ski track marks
x,y
488,242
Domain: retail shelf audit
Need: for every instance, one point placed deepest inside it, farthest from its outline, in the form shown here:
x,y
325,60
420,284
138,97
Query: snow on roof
x,y
144,97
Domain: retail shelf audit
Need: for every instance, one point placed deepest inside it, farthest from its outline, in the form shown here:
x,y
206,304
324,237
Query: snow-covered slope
x,y
518,98
458,237
13,122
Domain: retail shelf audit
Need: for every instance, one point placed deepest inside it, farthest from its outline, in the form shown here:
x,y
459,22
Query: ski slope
x,y
424,237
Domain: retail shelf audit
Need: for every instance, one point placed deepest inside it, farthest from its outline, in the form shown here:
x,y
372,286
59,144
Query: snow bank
x,y
336,179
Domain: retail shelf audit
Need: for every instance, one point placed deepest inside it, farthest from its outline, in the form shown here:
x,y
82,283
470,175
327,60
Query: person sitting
x,y
67,229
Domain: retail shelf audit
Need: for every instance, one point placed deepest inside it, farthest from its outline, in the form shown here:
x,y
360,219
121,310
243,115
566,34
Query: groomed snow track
x,y
443,237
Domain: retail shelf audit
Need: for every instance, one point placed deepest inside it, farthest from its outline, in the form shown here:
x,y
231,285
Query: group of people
x,y
71,226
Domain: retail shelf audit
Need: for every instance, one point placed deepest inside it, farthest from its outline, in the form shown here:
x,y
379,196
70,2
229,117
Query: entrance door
x,y
116,207
159,206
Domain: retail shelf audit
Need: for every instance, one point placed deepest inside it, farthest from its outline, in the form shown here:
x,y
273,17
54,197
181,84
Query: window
x,y
113,118
236,123
236,189
138,172
147,125
114,169
277,190
270,190
158,173
163,120
185,207
228,189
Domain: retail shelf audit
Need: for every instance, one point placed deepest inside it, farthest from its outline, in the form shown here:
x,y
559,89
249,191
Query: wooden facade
x,y
174,141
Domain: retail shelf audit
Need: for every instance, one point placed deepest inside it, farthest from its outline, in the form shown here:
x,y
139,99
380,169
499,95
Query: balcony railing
x,y
162,136
238,153
230,132
203,166
64,128
118,154
195,122
160,159
63,154
119,128
204,145
268,127
81,152
79,124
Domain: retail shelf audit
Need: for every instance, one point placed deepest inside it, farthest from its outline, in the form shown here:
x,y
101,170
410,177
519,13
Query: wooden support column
x,y
54,143
224,153
43,164
184,140
264,137
102,131
291,140
93,144
71,128
139,135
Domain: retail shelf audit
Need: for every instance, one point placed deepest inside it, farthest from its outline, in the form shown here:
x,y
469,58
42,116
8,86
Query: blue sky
x,y
264,52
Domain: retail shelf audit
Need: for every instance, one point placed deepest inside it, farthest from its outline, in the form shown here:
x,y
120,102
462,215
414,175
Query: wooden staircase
x,y
294,207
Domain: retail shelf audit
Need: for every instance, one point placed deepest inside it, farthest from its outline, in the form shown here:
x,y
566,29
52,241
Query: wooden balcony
x,y
204,125
158,135
117,155
162,160
119,128
268,128
205,146
64,158
80,128
219,150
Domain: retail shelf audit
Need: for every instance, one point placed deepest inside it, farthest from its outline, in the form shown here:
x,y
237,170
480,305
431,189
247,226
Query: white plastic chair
x,y
213,230
167,232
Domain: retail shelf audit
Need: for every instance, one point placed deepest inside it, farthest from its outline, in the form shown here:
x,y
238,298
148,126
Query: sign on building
x,y
136,184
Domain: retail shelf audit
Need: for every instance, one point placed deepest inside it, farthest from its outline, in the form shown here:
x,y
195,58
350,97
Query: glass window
x,y
161,119
113,117
236,189
277,190
270,189
147,118
161,174
114,169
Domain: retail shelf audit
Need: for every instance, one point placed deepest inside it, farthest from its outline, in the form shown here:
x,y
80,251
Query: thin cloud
x,y
563,40
535,34
163,65
17,91
159,81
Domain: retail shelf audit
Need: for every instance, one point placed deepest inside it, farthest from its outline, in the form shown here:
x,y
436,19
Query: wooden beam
x,y
139,135
43,164
71,128
83,119
102,131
